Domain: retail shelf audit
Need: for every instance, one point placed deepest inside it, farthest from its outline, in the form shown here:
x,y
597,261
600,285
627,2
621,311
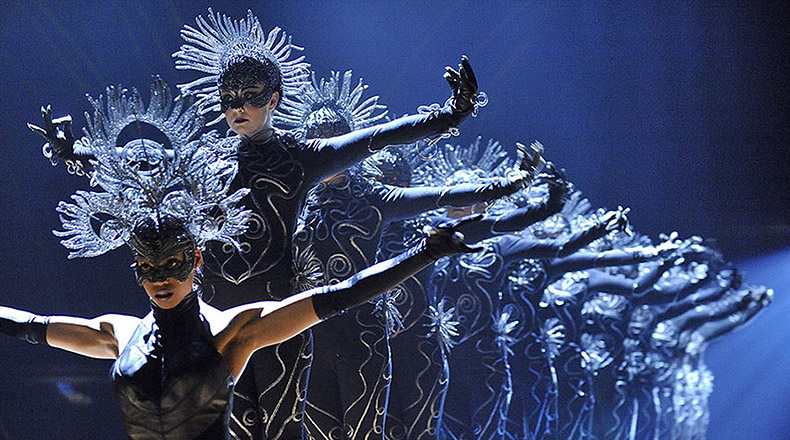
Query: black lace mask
x,y
156,241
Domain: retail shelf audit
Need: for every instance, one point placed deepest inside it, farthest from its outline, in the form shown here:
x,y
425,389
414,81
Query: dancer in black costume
x,y
339,234
175,368
279,170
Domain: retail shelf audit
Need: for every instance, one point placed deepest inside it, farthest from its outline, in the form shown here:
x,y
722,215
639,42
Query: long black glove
x,y
23,325
367,284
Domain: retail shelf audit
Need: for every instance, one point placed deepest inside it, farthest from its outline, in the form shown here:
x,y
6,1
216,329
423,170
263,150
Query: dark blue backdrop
x,y
676,110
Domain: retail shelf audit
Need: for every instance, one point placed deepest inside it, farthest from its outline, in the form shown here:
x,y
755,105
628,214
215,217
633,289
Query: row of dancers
x,y
565,323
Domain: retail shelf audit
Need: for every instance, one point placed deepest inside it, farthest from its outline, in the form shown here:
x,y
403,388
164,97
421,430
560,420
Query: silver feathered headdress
x,y
189,179
218,41
453,164
330,101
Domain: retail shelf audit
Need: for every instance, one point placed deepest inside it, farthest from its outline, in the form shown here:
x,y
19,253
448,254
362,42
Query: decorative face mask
x,y
244,72
167,248
237,99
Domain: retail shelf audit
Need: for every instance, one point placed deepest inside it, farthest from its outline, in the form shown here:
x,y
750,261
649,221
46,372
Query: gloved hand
x,y
464,86
530,163
57,133
446,239
616,220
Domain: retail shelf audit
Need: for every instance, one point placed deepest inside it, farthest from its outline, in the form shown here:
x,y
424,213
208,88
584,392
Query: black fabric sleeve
x,y
583,260
603,282
23,325
397,202
704,294
512,247
521,218
369,283
336,154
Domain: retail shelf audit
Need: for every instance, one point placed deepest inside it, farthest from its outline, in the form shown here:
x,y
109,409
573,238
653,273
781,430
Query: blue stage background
x,y
677,110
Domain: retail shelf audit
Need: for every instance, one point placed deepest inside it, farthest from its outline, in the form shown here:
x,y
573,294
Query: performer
x,y
338,234
175,368
247,74
419,384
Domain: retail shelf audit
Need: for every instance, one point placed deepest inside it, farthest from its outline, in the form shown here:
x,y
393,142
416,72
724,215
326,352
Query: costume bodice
x,y
273,168
170,381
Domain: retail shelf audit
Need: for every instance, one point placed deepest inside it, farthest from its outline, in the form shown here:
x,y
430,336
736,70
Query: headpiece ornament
x,y
188,181
453,164
330,107
391,165
218,42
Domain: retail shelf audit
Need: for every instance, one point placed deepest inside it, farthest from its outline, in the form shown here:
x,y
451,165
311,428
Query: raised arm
x,y
102,337
256,327
397,202
338,153
516,248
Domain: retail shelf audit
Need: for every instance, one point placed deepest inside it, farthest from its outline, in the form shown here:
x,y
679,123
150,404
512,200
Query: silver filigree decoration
x,y
503,327
189,179
307,269
552,337
605,305
335,95
387,308
594,355
218,38
444,325
691,390
452,164
565,289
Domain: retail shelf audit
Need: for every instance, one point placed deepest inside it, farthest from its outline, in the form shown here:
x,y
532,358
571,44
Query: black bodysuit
x,y
170,381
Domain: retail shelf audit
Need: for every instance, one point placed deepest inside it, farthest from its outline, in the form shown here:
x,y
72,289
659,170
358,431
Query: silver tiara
x,y
333,94
188,179
218,39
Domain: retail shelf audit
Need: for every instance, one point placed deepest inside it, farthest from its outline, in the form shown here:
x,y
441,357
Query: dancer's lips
x,y
163,295
240,120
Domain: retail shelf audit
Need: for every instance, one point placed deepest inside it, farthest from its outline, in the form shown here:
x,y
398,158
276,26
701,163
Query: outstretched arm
x,y
397,202
260,325
512,248
102,337
338,153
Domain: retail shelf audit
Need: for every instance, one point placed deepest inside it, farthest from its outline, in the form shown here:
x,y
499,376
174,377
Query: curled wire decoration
x,y
189,179
217,39
334,97
480,101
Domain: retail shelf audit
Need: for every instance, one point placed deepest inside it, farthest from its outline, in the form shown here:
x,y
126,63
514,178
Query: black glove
x,y
23,325
559,187
464,85
446,239
57,133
